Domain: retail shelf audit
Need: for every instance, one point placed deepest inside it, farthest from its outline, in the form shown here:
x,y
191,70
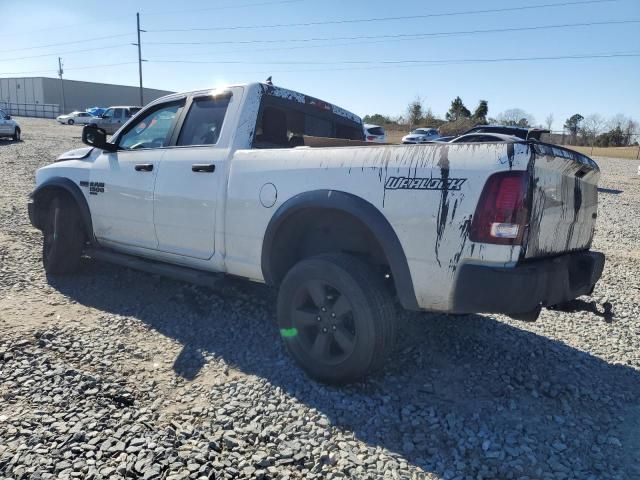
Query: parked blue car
x,y
96,111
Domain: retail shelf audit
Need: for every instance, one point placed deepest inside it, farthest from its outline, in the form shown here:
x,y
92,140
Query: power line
x,y
408,36
65,53
384,19
67,43
224,7
394,62
73,68
167,12
60,27
379,38
369,64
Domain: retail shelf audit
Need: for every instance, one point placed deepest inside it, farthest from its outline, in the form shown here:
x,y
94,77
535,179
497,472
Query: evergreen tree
x,y
457,110
481,112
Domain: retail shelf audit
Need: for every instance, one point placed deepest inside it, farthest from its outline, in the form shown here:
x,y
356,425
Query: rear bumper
x,y
521,289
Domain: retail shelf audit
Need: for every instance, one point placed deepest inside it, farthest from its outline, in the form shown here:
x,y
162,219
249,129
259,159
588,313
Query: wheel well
x,y
312,231
42,199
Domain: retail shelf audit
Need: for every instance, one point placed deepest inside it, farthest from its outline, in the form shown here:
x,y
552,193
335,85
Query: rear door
x,y
191,174
4,124
83,118
564,202
117,120
122,182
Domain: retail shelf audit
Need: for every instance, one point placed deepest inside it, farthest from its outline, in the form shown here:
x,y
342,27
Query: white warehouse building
x,y
44,97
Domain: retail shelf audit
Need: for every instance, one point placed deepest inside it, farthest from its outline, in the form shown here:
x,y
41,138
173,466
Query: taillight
x,y
501,215
371,137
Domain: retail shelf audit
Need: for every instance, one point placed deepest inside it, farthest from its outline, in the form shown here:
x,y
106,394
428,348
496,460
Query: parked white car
x,y
81,118
207,183
421,135
9,127
374,133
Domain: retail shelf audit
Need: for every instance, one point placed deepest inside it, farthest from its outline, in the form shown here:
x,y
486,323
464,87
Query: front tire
x,y
63,237
70,121
16,135
336,317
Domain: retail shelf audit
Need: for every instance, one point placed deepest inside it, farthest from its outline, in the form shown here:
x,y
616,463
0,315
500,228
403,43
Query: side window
x,y
2,114
272,130
317,127
108,113
204,121
151,131
118,113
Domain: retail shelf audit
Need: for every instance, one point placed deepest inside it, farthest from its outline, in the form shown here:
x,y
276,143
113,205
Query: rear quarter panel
x,y
428,193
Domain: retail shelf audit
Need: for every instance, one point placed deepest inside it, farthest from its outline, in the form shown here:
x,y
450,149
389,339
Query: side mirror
x,y
8,117
97,137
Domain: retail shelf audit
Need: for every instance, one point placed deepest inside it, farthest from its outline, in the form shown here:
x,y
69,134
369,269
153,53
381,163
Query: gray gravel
x,y
113,373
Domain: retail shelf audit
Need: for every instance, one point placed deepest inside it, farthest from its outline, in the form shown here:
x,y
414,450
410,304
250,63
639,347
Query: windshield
x,y
423,131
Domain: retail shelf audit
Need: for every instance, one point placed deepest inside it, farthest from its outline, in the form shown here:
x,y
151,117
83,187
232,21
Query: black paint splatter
x,y
443,208
465,227
510,154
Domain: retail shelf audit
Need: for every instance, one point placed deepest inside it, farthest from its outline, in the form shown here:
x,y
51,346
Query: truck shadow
x,y
521,399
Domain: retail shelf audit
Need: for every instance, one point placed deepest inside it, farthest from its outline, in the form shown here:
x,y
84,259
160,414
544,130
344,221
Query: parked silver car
x,y
9,127
421,135
114,118
81,118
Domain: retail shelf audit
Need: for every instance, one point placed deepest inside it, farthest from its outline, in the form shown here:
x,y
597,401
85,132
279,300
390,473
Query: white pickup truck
x,y
275,186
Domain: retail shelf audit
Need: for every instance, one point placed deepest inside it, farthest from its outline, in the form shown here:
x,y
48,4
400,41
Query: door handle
x,y
144,167
205,167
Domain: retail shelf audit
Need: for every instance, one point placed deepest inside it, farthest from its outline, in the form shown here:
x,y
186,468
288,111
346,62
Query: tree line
x,y
595,130
592,130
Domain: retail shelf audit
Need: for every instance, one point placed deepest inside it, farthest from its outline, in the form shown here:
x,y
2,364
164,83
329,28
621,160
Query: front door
x,y
122,182
190,176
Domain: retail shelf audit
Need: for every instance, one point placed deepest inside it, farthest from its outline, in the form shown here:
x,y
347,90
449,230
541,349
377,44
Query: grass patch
x,y
615,152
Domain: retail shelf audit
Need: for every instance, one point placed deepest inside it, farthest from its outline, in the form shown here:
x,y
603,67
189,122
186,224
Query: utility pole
x,y
60,72
139,44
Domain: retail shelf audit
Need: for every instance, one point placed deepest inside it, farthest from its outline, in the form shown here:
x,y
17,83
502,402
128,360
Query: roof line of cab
x,y
266,89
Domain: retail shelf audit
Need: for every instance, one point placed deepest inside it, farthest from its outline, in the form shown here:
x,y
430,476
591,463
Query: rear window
x,y
204,121
283,122
375,131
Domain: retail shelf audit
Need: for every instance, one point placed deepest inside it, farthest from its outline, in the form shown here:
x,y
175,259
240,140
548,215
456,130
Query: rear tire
x,y
70,121
63,237
336,317
16,135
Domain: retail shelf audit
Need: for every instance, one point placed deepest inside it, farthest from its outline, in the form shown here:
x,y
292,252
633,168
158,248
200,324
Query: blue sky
x,y
607,85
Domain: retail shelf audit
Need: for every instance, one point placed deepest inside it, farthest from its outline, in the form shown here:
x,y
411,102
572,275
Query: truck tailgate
x,y
564,201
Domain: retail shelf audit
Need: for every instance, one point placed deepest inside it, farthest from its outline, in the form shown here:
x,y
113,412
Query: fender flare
x,y
364,211
74,190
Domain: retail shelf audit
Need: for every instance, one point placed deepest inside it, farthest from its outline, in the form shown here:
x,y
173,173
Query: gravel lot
x,y
113,373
